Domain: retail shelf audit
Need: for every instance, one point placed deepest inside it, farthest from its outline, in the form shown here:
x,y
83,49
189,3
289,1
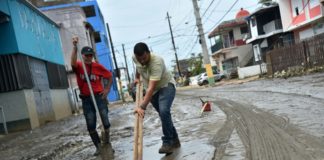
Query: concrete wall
x,y
237,33
42,3
251,71
254,29
241,52
61,104
36,35
7,39
31,107
71,19
285,11
19,106
14,105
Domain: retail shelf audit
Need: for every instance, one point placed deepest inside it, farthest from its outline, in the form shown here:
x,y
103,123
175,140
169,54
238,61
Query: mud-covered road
x,y
270,119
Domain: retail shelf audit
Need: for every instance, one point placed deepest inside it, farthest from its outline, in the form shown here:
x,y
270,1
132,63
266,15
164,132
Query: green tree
x,y
196,65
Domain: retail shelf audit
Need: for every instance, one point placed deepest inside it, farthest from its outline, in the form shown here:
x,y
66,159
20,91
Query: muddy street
x,y
267,119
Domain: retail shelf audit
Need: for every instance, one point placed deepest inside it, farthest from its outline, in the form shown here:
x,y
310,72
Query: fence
x,y
308,53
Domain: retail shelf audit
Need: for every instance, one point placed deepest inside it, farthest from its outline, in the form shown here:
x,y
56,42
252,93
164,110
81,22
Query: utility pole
x,y
116,66
208,67
126,64
174,48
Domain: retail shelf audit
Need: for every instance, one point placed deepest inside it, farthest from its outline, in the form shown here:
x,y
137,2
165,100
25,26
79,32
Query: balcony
x,y
216,47
272,26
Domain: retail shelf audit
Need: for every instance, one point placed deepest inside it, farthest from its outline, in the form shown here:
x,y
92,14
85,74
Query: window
x,y
97,37
253,21
244,30
89,11
15,73
57,76
297,8
296,11
256,50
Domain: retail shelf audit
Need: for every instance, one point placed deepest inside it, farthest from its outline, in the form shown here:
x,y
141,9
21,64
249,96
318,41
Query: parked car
x,y
203,78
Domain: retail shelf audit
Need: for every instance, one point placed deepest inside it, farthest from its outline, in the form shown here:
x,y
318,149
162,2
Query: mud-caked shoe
x,y
97,152
106,136
176,143
166,149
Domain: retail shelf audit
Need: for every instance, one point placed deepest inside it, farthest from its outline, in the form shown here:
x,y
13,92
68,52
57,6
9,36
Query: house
x,y
303,20
266,31
33,81
228,47
95,22
302,17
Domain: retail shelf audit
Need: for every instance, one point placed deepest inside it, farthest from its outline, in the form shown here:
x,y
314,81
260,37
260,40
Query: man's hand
x,y
75,41
104,93
139,111
136,81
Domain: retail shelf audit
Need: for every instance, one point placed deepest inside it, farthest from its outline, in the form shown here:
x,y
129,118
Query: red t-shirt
x,y
97,73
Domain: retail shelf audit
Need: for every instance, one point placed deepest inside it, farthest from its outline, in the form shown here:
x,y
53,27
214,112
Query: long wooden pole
x,y
138,128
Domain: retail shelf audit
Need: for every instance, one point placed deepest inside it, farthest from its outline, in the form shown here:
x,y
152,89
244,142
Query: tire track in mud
x,y
264,135
276,92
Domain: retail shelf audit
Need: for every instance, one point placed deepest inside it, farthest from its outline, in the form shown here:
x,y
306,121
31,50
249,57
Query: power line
x,y
223,16
212,11
208,7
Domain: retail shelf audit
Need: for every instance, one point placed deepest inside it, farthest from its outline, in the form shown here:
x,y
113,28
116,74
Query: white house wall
x,y
61,104
241,52
287,11
252,70
284,7
254,30
237,33
72,24
20,106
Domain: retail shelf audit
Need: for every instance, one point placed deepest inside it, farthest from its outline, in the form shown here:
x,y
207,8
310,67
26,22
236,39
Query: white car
x,y
203,78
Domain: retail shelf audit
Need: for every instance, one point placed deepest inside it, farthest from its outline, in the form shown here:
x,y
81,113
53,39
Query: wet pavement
x,y
262,119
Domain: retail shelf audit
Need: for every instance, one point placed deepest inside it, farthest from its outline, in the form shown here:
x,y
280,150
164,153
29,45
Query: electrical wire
x,y
222,17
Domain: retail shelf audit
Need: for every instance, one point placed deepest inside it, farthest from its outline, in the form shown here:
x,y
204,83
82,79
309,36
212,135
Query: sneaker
x,y
97,152
176,143
167,149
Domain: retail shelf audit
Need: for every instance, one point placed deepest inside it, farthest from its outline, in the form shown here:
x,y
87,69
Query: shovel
x,y
91,93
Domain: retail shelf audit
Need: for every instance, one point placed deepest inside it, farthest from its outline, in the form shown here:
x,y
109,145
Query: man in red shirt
x,y
97,75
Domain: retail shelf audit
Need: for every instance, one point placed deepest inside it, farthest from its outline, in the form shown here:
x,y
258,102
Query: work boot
x,y
98,150
106,136
166,149
95,138
176,143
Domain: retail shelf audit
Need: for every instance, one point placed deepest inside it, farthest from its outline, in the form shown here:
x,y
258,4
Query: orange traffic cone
x,y
206,106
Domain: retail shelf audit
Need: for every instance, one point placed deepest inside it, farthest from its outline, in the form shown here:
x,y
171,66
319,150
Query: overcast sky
x,y
133,21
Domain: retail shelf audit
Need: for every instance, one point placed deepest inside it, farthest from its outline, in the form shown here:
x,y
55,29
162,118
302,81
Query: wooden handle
x,y
138,128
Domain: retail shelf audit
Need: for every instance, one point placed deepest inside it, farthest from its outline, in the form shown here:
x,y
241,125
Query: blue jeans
x,y
89,112
162,102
